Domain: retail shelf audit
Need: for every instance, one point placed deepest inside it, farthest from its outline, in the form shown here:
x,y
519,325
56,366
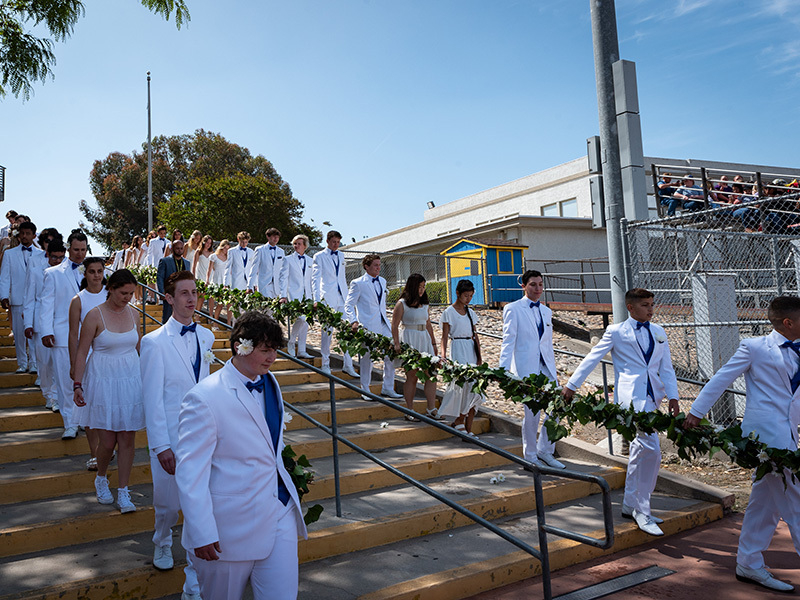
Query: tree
x,y
25,58
200,181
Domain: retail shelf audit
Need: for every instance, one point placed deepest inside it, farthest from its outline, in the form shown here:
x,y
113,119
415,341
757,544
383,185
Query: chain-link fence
x,y
714,277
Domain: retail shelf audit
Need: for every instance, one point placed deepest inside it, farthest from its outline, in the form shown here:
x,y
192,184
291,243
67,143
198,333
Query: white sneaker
x,y
646,523
290,350
48,403
103,493
162,558
55,408
390,394
350,371
303,354
70,433
551,461
124,501
325,369
22,370
763,578
627,513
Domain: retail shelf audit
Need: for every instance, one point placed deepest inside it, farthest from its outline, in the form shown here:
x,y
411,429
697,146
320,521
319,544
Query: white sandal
x,y
433,413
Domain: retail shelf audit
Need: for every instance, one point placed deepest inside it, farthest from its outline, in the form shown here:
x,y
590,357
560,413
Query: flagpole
x,y
149,163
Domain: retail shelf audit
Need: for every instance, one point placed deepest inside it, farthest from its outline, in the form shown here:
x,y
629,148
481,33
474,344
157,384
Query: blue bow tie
x,y
243,248
300,256
334,252
192,328
536,304
28,249
255,385
376,280
75,266
639,325
272,248
793,345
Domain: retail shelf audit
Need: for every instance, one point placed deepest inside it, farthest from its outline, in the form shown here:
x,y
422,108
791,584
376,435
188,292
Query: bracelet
x,y
77,386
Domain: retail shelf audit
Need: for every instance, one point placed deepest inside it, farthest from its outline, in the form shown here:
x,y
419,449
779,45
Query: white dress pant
x,y
325,350
20,341
534,442
769,502
63,383
644,461
298,335
166,505
45,367
272,578
365,371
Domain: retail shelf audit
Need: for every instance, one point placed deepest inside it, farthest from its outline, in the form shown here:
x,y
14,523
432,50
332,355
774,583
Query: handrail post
x,y
335,441
605,394
540,518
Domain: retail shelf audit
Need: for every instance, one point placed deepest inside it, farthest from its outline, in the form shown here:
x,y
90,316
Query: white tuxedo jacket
x,y
772,411
60,286
167,374
265,274
296,285
630,369
34,289
235,269
329,286
156,249
228,470
13,272
521,347
119,260
362,305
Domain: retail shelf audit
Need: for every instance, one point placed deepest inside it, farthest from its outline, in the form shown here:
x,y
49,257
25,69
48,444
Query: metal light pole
x,y
149,163
606,53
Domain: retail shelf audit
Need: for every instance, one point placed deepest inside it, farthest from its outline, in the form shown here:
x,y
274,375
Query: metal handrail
x,y
540,554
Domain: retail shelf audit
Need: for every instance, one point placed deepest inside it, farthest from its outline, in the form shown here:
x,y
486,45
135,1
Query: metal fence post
x,y
335,441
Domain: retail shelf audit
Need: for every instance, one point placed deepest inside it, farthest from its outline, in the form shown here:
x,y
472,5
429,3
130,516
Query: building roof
x,y
493,242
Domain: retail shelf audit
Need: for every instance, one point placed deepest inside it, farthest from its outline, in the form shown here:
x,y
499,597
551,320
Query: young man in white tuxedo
x,y
265,271
236,267
34,289
296,285
771,368
157,248
174,358
241,510
366,307
329,285
643,377
13,273
119,257
60,284
527,348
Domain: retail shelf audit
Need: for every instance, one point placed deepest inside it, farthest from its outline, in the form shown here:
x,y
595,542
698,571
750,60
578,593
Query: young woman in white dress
x,y
91,294
192,246
216,276
112,377
459,323
200,264
133,256
412,312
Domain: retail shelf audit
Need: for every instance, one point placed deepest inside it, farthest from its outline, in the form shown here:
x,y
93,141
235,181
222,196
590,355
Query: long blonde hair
x,y
222,244
196,235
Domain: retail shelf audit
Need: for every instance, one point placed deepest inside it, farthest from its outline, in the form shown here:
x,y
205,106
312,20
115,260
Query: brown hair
x,y
172,281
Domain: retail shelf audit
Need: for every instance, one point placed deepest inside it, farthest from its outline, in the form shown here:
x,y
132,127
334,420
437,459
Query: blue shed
x,y
493,266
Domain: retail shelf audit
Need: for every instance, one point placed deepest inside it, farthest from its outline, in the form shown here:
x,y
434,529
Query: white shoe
x,y
391,394
34,370
433,413
350,371
48,403
124,501
763,578
551,461
38,382
103,493
646,523
303,354
70,433
290,350
162,558
188,596
91,464
325,369
627,513
55,408
22,370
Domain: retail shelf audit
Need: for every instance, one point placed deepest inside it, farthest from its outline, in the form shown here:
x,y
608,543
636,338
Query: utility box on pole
x,y
594,154
631,150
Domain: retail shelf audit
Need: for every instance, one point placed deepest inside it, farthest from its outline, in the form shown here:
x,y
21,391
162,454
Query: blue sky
x,y
371,108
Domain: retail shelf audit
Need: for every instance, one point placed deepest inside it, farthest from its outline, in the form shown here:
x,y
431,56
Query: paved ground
x,y
703,558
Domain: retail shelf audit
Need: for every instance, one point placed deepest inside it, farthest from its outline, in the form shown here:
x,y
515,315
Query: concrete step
x,y
14,380
8,351
17,446
29,417
20,397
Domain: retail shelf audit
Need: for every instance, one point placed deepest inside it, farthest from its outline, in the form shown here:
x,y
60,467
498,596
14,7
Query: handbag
x,y
474,338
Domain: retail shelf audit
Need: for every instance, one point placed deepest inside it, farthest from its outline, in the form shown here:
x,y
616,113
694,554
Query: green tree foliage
x,y
26,58
200,181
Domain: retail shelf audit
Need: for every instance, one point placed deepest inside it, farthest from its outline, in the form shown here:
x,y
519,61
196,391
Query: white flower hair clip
x,y
81,269
287,418
245,347
208,357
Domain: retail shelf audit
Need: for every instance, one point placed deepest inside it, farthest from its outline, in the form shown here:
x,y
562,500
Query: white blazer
x,y
265,274
156,249
521,348
228,470
772,411
235,269
167,374
295,283
362,305
13,272
630,369
329,286
119,260
60,287
34,288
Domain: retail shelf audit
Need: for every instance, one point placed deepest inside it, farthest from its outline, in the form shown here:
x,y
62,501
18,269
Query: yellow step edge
x,y
467,581
43,419
22,399
11,380
53,448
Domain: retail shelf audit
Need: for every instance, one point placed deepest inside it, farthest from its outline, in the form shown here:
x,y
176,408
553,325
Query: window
x,y
565,208
505,261
550,210
474,269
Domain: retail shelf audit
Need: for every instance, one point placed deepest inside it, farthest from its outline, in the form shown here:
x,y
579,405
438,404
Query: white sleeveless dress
x,y
458,400
90,301
217,266
414,332
112,383
202,267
